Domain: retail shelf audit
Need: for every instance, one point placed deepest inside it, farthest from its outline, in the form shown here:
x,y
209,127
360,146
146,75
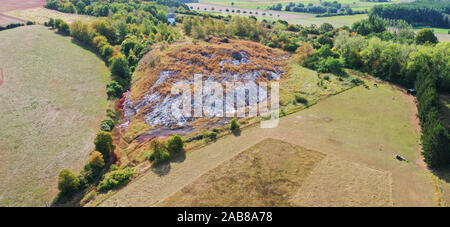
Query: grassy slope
x,y
363,126
51,101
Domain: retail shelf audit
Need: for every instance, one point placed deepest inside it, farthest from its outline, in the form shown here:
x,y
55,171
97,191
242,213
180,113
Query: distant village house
x,y
171,18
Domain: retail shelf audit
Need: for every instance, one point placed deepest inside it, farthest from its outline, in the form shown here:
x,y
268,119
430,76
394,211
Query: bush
x,y
107,125
119,67
103,144
331,65
159,153
212,135
113,167
114,89
426,35
91,173
96,159
356,81
174,144
115,179
234,124
50,23
107,51
68,182
300,99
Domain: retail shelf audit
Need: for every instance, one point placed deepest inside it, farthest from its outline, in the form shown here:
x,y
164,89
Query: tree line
x,y
418,13
324,9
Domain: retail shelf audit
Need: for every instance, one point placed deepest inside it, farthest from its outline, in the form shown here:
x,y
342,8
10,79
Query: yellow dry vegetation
x,y
201,58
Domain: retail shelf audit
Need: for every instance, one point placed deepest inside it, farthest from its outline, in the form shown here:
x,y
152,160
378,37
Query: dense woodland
x,y
418,13
387,49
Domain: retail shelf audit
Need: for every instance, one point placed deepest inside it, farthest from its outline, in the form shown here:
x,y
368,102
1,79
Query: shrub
x,y
107,51
68,182
91,173
99,42
292,27
114,89
325,27
212,135
174,144
82,32
426,35
331,65
327,78
119,67
115,179
356,81
113,167
103,144
300,99
159,153
96,159
63,27
107,125
50,22
234,124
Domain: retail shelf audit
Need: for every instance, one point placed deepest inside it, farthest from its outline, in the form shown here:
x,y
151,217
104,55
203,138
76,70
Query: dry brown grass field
x,y
52,98
266,174
41,15
277,173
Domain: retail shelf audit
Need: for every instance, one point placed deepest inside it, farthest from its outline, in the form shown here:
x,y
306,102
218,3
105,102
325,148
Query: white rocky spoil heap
x,y
158,108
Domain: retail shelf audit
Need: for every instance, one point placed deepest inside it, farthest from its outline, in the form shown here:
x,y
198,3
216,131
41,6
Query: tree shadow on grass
x,y
161,169
164,168
87,47
179,157
443,174
237,132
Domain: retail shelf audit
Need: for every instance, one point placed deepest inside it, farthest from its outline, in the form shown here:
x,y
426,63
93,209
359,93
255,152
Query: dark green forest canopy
x,y
419,13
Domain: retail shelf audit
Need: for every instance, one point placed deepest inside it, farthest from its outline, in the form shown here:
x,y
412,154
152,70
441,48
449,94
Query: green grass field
x,y
443,31
52,98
